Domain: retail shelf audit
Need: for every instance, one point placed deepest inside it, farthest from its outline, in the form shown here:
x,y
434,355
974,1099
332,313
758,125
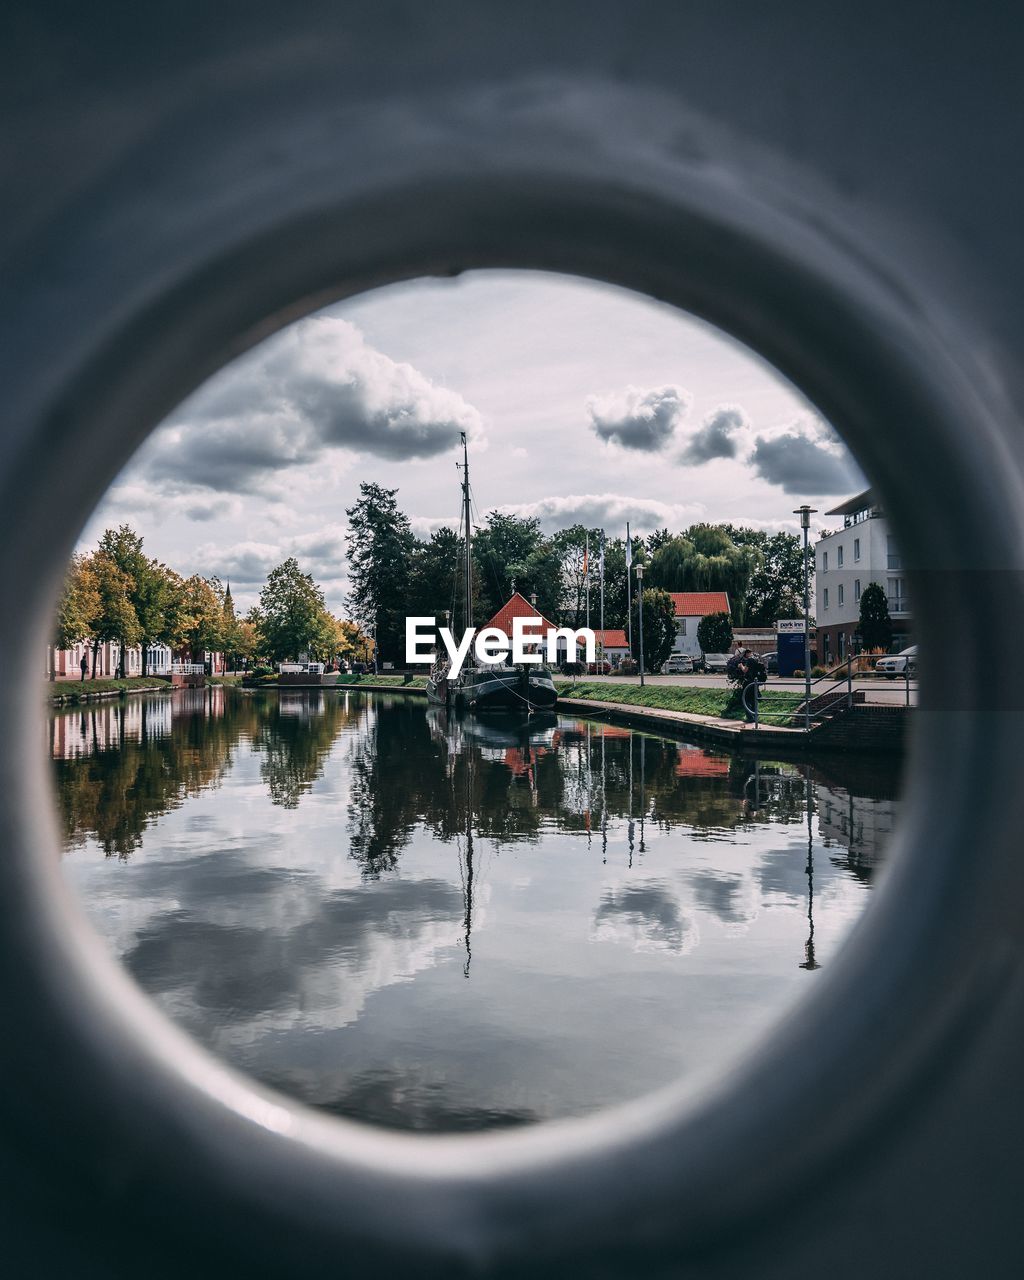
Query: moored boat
x,y
506,688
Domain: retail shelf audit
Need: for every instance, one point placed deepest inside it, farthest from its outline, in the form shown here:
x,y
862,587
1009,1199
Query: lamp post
x,y
640,606
805,512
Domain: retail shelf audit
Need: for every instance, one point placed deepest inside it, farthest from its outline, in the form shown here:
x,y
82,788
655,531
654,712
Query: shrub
x,y
627,667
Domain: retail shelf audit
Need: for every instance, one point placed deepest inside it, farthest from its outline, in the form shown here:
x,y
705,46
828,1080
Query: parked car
x,y
603,668
716,663
677,664
771,663
898,664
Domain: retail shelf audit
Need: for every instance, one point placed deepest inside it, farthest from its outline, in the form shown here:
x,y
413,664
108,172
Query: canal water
x,y
447,924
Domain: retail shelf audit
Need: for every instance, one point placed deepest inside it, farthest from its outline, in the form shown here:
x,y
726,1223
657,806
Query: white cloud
x,y
315,387
608,511
637,419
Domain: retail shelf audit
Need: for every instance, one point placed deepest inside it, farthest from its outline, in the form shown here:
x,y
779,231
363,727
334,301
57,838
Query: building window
x,y
856,548
682,626
896,591
824,562
826,597
840,599
894,560
839,557
856,588
842,645
825,649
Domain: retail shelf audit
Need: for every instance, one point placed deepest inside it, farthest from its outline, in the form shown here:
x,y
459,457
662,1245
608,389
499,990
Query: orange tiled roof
x,y
516,606
695,763
611,638
698,604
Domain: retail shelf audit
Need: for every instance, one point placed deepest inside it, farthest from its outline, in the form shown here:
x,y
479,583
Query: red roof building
x,y
690,607
517,606
698,604
611,638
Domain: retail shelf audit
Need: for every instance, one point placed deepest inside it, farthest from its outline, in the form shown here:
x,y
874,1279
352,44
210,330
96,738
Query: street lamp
x,y
640,604
805,512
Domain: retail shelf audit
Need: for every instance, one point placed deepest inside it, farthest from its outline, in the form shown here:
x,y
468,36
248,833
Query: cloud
x,y
128,500
638,419
321,553
315,387
607,511
645,916
715,438
806,459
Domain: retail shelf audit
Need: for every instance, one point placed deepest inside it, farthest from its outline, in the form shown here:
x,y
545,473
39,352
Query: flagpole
x,y
601,565
586,575
629,593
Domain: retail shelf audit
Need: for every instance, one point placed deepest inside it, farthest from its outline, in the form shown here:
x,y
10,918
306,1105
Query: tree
x,y
115,619
511,549
76,611
875,628
79,604
705,558
199,616
570,546
380,546
436,574
714,633
291,618
657,539
659,627
776,588
352,643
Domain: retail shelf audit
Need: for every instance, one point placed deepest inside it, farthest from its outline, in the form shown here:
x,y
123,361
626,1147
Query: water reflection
x,y
439,923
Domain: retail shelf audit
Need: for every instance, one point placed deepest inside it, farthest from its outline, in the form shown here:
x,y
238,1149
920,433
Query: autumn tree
x,y
115,620
78,607
199,616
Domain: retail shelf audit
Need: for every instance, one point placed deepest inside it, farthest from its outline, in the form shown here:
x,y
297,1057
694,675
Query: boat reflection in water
x,y
450,922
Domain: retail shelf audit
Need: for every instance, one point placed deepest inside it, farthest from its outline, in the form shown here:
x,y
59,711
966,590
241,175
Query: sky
x,y
581,401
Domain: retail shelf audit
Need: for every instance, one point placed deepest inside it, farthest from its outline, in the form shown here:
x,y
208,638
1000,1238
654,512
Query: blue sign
x,y
791,652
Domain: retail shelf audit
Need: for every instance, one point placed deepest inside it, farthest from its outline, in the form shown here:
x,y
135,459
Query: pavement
x,y
877,691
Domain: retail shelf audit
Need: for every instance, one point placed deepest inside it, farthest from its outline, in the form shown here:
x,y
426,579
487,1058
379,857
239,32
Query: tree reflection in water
x,y
384,909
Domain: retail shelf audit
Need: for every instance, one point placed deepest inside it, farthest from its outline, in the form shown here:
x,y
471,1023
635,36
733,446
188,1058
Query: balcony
x,y
899,606
894,562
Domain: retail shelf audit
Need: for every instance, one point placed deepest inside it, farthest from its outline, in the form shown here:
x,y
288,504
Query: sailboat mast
x,y
466,521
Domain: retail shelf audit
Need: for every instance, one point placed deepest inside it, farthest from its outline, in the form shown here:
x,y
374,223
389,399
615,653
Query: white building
x,y
691,607
846,561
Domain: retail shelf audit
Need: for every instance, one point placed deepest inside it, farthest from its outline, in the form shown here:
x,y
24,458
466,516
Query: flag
x,y
586,558
600,560
629,549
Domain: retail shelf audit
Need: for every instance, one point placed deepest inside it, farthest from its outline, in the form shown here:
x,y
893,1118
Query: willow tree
x,y
705,558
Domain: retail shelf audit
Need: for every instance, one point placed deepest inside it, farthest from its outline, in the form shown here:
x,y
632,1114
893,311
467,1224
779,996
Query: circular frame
x,y
148,282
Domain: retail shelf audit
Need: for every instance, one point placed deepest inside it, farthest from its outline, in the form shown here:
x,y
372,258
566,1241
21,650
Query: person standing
x,y
84,666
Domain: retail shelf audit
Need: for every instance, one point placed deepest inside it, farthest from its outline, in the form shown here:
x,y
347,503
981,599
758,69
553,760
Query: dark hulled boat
x,y
506,688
